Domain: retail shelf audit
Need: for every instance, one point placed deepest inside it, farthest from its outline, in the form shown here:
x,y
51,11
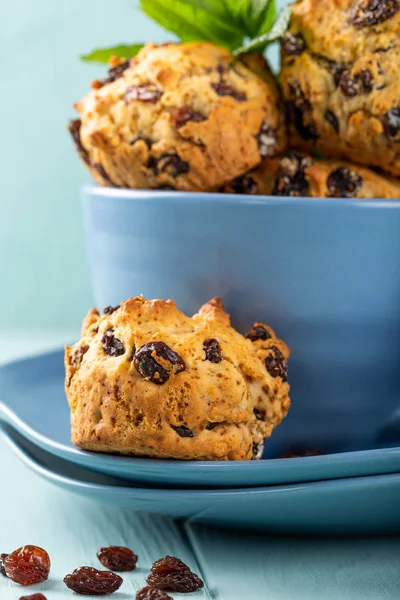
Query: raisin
x,y
258,332
74,127
368,13
112,345
367,80
77,357
89,581
244,185
27,565
170,164
391,121
116,72
155,361
349,84
332,120
143,93
172,575
267,141
117,558
211,426
225,89
275,363
108,310
300,107
2,559
150,593
337,70
103,173
212,350
293,44
259,415
344,183
183,431
185,114
140,138
33,597
291,176
258,450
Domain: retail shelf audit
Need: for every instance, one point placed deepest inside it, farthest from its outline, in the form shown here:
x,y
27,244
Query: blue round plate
x,y
34,403
356,505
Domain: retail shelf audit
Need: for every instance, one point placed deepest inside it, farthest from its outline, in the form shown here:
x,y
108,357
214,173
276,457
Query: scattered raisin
x,y
155,361
111,344
150,593
259,415
108,310
76,359
225,89
33,597
349,84
172,575
143,93
244,185
267,141
337,70
344,183
258,332
302,113
170,164
116,72
27,565
117,558
185,114
367,80
89,581
291,177
332,120
2,559
258,450
211,426
74,127
293,44
391,122
275,363
183,431
368,13
212,350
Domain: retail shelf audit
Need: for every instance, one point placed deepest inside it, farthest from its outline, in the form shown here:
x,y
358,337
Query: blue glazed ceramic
x,y
34,404
359,505
325,273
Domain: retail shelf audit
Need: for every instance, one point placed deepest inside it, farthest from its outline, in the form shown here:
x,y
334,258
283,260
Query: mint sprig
x,y
239,25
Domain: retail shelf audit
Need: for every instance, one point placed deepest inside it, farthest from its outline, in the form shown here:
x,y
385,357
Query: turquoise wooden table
x,y
233,565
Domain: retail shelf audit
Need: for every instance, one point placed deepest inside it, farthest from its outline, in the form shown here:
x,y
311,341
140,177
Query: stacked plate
x,y
339,493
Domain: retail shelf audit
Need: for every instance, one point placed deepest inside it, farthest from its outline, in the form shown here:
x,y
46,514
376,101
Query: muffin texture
x,y
180,116
298,174
146,380
341,77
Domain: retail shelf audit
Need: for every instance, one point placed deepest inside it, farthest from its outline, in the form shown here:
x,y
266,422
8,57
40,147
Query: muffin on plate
x,y
180,116
298,174
341,77
146,380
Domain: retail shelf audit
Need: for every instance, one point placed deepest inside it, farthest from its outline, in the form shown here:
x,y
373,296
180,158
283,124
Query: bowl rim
x,y
127,194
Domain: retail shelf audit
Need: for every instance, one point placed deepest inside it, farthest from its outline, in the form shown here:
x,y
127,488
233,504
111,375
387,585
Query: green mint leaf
x,y
192,20
258,8
259,43
264,23
103,55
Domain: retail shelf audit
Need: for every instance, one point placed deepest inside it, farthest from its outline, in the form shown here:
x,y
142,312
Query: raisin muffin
x,y
297,174
180,116
146,380
341,78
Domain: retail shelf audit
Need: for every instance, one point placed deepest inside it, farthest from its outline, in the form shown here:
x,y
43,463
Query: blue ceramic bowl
x,y
325,273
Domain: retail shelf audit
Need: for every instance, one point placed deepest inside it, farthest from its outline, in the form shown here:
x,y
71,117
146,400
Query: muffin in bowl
x,y
181,116
146,380
341,77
